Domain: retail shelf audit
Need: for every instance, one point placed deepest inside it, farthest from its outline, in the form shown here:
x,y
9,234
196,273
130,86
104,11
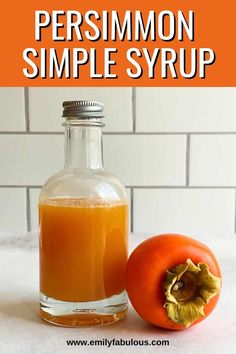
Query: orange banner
x,y
118,43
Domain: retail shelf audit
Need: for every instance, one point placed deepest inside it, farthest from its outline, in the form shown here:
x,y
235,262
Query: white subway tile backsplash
x,y
213,160
12,109
184,210
183,109
45,106
30,159
191,180
13,209
146,160
34,198
136,160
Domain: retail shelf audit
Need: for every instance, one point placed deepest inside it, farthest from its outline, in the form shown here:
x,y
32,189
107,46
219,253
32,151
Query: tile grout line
x,y
133,110
187,159
115,133
20,186
131,209
27,120
180,187
29,133
133,186
28,216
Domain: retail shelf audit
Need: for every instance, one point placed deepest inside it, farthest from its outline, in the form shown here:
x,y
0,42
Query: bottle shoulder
x,y
91,184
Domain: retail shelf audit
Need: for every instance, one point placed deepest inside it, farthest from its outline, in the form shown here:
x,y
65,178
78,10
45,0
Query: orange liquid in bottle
x,y
83,249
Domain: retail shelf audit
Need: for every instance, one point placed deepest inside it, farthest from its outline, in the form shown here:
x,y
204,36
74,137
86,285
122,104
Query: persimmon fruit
x,y
173,281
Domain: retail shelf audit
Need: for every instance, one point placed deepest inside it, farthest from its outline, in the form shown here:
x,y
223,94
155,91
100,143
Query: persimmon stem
x,y
178,285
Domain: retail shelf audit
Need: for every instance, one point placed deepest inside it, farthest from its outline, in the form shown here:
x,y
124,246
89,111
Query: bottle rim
x,y
83,122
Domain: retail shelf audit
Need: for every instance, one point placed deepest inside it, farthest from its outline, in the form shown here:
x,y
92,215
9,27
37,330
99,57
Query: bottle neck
x,y
83,147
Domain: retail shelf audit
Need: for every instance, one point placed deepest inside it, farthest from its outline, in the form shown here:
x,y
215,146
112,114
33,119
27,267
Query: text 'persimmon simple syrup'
x,y
83,229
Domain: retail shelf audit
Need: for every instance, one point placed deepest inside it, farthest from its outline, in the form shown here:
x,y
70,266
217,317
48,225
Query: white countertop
x,y
23,332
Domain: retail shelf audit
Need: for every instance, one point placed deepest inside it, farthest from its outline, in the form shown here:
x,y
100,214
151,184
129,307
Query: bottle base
x,y
83,314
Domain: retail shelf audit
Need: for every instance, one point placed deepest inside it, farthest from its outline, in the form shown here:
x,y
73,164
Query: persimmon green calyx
x,y
188,288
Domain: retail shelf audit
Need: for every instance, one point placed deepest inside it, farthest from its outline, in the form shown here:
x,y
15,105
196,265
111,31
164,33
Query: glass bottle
x,y
83,229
